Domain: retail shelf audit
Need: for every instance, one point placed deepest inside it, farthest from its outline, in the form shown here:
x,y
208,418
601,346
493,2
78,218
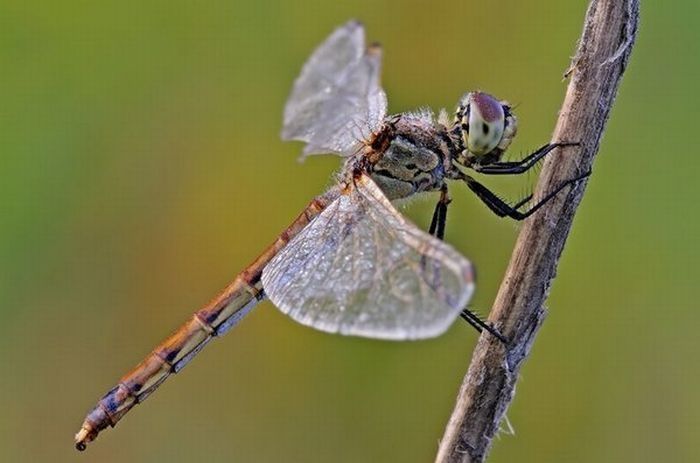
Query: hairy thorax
x,y
410,154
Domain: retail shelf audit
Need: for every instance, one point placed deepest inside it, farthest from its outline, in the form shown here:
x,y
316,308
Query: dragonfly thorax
x,y
410,154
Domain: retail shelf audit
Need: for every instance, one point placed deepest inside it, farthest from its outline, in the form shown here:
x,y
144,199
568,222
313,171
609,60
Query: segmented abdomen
x,y
215,319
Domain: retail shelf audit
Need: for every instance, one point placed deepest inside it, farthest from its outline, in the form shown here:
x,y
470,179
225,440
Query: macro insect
x,y
350,263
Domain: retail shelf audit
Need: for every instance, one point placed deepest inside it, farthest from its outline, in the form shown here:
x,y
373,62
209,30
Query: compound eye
x,y
486,122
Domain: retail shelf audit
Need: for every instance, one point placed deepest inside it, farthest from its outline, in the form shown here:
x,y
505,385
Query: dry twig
x,y
488,388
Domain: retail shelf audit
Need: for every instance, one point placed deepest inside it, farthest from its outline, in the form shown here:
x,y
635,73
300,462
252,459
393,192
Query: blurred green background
x,y
140,170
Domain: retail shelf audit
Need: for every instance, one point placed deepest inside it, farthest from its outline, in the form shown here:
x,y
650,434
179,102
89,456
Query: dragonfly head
x,y
485,124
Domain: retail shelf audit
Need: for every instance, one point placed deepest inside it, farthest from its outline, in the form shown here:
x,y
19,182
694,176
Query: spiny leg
x,y
503,209
437,229
522,202
479,325
525,164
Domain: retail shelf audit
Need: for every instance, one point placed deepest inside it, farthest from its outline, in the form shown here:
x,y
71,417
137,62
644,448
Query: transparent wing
x,y
361,268
337,99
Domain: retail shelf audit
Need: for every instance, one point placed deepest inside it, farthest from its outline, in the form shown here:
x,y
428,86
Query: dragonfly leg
x,y
522,202
525,164
437,224
437,229
503,209
479,325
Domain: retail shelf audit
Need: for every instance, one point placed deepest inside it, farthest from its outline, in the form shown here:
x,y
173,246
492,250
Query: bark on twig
x,y
488,388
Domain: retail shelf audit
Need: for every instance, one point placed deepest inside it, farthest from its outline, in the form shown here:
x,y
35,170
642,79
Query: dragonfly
x,y
350,263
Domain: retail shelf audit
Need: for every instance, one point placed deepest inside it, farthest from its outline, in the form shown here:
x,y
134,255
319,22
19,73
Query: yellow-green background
x,y
140,170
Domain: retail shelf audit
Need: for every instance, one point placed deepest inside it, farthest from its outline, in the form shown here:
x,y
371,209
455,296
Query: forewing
x,y
337,99
361,268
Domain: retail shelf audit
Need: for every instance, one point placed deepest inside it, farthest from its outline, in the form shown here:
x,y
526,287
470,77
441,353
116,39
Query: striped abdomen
x,y
215,319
